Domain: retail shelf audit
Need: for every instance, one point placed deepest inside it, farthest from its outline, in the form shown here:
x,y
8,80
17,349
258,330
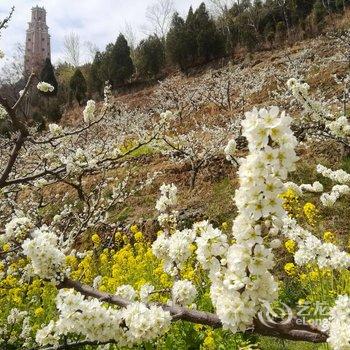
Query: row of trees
x,y
200,36
257,24
188,41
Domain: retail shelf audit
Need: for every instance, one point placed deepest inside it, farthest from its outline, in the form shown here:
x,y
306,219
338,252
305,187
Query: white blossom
x,y
46,259
183,292
126,292
339,324
55,130
45,87
89,111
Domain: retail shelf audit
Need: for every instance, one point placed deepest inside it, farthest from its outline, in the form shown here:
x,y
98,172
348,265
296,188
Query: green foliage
x,y
196,40
48,75
95,80
150,57
319,12
78,86
121,65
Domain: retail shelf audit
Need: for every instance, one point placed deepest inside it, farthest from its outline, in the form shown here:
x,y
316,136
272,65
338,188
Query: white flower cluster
x,y
126,292
145,291
230,149
47,260
174,250
78,161
88,113
339,324
9,338
300,91
339,176
294,85
328,199
211,243
183,292
55,130
17,229
243,281
168,197
129,326
3,113
340,127
316,187
294,187
312,249
167,200
45,87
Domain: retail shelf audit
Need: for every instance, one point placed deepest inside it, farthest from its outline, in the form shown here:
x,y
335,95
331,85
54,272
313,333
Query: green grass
x,y
220,207
280,344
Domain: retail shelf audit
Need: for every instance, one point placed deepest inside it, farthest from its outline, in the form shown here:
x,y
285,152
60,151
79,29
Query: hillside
x,y
260,79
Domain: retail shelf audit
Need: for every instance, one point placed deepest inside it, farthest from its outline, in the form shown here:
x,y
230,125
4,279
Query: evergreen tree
x,y
195,40
78,86
319,12
177,43
210,43
190,37
95,80
48,75
150,56
121,66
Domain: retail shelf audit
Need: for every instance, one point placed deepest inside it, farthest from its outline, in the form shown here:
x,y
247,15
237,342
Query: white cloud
x,y
98,21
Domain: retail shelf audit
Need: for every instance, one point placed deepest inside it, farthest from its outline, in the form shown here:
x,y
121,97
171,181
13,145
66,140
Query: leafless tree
x,y
90,49
159,17
72,48
220,7
130,35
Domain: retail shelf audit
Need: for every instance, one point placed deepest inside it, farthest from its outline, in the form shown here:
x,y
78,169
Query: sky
x,y
97,21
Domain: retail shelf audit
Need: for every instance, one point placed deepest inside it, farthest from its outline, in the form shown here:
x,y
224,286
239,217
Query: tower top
x,y
38,14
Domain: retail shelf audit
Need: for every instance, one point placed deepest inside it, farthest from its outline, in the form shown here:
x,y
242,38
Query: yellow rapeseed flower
x,y
39,312
134,229
96,240
209,342
118,236
328,237
224,226
138,236
313,275
290,245
303,277
310,212
290,269
6,247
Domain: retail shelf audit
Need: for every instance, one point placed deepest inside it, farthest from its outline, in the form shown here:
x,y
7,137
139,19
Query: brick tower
x,y
37,42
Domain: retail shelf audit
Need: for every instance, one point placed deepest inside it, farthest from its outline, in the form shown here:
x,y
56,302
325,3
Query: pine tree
x,y
210,43
48,75
150,56
78,86
190,36
177,43
121,66
95,81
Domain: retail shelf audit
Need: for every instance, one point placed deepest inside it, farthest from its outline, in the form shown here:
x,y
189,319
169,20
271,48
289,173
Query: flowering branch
x,y
290,331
